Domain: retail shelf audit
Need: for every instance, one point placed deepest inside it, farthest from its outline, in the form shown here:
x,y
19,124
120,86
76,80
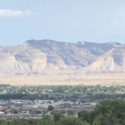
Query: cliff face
x,y
34,57
112,61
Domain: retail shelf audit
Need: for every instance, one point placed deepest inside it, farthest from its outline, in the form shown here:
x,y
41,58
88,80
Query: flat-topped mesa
x,y
46,58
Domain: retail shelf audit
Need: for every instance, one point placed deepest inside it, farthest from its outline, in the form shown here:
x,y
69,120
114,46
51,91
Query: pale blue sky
x,y
63,20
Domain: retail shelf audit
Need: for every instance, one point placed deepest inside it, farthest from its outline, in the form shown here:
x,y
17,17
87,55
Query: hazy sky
x,y
63,20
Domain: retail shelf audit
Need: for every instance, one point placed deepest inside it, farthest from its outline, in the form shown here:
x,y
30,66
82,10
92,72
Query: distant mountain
x,y
43,58
72,54
113,61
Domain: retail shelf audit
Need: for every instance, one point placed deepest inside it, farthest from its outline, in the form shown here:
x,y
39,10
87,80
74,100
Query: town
x,y
34,109
29,102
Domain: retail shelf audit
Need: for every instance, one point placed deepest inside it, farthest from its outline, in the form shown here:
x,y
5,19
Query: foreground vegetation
x,y
110,112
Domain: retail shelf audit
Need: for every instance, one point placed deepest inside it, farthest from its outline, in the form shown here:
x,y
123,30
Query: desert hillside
x,y
53,62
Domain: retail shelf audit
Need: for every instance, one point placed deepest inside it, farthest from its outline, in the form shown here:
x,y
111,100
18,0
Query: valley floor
x,y
101,79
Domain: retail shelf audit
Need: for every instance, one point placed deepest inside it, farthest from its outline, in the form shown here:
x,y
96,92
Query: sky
x,y
62,20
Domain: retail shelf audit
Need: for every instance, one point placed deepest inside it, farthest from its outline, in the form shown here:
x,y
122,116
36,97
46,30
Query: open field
x,y
103,79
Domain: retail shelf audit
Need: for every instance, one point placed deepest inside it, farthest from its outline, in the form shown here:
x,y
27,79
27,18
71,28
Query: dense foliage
x,y
110,112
